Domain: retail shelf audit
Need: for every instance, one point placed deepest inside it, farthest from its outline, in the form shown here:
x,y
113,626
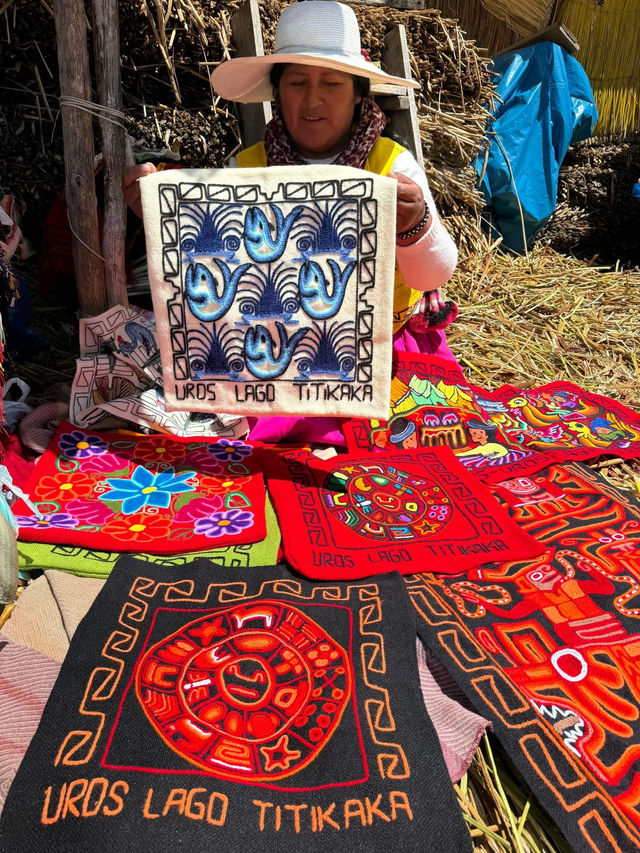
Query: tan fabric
x,y
288,271
48,612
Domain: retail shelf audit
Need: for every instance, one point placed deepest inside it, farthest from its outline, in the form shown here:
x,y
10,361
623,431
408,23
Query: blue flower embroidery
x,y
147,489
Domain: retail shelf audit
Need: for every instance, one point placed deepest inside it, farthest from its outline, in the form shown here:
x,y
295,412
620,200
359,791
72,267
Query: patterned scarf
x,y
281,151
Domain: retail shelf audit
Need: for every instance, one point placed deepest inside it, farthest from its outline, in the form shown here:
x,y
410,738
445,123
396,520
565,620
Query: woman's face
x,y
317,105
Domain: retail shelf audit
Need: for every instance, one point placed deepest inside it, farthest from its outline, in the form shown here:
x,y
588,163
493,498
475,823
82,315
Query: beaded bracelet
x,y
404,235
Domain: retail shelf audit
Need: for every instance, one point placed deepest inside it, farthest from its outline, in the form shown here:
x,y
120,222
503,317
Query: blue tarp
x,y
547,104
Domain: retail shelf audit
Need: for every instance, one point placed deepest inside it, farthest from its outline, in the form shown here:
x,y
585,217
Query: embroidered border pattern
x,y
79,745
238,315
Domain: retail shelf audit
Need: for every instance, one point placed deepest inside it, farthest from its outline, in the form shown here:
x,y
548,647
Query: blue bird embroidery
x,y
260,244
315,299
140,336
201,290
259,350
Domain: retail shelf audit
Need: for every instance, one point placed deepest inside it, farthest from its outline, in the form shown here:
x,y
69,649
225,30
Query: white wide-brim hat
x,y
311,32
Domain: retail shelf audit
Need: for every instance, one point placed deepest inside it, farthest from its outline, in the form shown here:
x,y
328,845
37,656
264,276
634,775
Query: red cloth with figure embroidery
x,y
158,493
549,651
496,434
410,511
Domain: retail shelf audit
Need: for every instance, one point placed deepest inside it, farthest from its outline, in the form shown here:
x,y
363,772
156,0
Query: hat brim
x,y
246,78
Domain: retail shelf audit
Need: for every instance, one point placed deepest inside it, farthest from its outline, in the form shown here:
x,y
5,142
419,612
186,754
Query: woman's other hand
x,y
410,203
131,187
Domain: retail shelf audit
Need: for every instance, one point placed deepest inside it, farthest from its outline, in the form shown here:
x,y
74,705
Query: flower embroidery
x,y
63,487
138,528
230,451
223,523
145,488
201,460
222,484
198,508
159,450
90,512
55,519
79,445
104,464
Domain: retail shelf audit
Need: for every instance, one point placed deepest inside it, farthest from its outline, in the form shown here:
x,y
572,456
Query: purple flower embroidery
x,y
55,519
198,508
79,445
91,512
224,523
230,451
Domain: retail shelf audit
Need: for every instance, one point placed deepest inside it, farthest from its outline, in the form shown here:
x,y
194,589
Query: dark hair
x,y
399,425
361,85
490,429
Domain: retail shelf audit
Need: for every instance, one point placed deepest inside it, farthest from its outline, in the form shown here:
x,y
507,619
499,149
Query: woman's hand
x,y
410,203
131,187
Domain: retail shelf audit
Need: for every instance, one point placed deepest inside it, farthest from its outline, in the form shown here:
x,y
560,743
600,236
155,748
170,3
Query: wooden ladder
x,y
398,102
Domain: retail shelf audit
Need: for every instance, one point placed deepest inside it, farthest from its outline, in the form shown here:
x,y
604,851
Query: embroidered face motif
x,y
317,106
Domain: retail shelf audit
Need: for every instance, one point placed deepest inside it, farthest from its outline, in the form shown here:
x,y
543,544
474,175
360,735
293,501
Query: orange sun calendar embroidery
x,y
251,694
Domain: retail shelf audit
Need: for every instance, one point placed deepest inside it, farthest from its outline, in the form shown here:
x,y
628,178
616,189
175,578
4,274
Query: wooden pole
x,y
246,35
107,65
403,123
77,134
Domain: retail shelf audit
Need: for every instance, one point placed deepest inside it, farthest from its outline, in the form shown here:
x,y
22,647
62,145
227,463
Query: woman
x,y
319,80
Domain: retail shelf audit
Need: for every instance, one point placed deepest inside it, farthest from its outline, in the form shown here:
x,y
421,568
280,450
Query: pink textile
x,y
459,729
37,428
433,342
329,430
26,680
315,430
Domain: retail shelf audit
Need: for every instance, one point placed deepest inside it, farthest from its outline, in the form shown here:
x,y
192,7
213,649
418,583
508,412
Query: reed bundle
x,y
610,54
453,106
529,320
524,18
551,317
596,212
491,33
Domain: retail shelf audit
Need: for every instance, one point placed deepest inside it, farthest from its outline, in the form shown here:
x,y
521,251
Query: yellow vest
x,y
380,160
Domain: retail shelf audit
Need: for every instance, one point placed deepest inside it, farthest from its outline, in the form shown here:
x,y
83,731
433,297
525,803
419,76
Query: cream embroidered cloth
x,y
272,288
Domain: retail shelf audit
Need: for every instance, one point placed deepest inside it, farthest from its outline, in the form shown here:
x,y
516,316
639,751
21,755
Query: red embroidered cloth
x,y
495,434
549,650
411,511
161,494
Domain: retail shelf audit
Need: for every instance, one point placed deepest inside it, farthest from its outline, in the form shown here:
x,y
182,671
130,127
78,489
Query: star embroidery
x,y
279,757
208,630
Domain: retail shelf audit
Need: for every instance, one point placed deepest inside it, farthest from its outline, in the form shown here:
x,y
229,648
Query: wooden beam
x,y
556,33
107,65
391,103
77,134
403,123
246,35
